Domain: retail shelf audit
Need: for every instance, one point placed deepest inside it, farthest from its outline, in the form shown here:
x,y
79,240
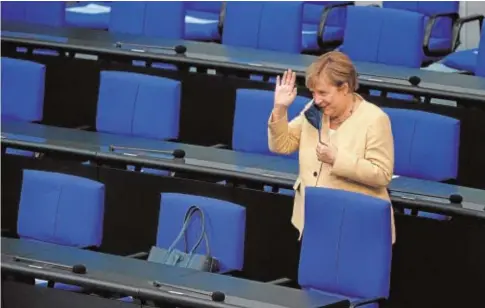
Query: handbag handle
x,y
203,235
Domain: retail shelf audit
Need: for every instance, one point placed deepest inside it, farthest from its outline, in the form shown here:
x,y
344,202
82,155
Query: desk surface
x,y
272,170
139,274
440,85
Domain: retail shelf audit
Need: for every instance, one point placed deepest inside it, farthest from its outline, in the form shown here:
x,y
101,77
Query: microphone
x,y
456,198
179,49
414,80
453,198
76,269
216,296
177,153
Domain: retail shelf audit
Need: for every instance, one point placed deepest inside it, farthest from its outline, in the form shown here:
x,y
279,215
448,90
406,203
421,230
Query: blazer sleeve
x,y
284,137
375,169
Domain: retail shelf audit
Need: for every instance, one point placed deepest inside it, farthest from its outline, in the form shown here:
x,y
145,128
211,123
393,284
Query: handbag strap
x,y
188,215
203,234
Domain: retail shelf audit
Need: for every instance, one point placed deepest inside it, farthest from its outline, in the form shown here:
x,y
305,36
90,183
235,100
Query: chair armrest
x,y
378,300
220,146
280,281
459,24
222,17
323,20
427,35
139,255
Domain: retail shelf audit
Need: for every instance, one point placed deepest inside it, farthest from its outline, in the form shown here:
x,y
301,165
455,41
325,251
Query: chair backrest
x,y
161,19
347,243
426,144
264,25
392,37
443,27
312,13
250,128
138,105
480,68
48,13
61,209
225,224
23,84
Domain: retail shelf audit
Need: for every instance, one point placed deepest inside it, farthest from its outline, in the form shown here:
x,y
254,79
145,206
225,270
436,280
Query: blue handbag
x,y
187,259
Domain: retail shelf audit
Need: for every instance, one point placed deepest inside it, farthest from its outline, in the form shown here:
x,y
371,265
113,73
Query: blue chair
x,y
138,105
333,13
225,227
426,146
470,60
440,18
61,209
392,37
202,20
46,13
157,19
23,86
346,247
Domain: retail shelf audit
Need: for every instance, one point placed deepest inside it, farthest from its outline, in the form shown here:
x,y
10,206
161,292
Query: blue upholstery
x,y
225,227
334,27
138,105
480,69
346,245
202,19
61,209
392,37
441,33
152,19
23,84
49,13
272,26
426,144
464,60
254,106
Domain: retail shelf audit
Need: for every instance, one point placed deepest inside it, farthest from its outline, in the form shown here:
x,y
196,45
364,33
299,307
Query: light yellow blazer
x,y
364,161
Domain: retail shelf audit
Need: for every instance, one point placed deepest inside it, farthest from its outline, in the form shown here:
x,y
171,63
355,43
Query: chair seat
x,y
163,66
428,215
465,60
90,15
309,35
59,286
437,44
201,26
352,299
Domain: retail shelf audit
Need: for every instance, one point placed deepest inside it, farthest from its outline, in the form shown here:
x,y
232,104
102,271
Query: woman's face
x,y
329,97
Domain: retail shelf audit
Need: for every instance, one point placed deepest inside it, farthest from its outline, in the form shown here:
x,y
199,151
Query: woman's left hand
x,y
326,152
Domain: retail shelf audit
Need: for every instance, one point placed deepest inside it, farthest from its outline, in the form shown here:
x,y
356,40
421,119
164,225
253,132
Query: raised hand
x,y
285,90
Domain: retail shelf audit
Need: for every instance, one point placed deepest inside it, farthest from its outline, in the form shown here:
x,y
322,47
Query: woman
x,y
344,142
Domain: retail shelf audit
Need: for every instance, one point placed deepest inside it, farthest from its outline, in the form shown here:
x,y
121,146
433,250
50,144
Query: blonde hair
x,y
338,69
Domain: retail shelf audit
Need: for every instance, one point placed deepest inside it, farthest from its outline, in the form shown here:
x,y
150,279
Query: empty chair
x,y
440,17
138,105
272,26
61,209
392,37
346,246
49,13
426,146
202,20
333,25
470,60
23,86
155,19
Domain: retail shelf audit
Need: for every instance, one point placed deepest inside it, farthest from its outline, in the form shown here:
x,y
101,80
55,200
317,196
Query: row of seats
x,y
68,210
320,23
427,144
